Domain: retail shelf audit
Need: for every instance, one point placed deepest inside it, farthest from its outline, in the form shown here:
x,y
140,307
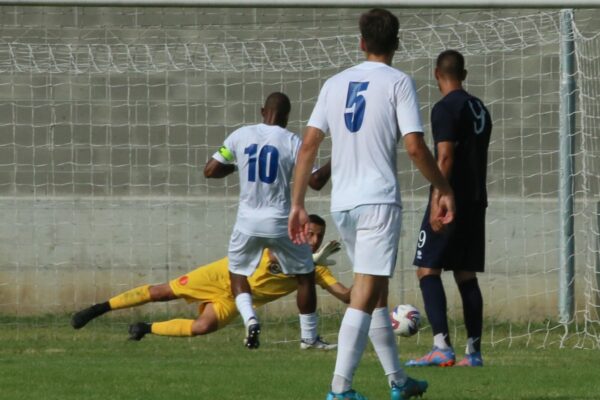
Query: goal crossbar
x,y
317,3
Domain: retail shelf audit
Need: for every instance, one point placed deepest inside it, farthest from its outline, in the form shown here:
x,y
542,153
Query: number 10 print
x,y
268,163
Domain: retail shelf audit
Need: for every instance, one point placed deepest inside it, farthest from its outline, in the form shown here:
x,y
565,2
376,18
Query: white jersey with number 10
x,y
265,156
366,108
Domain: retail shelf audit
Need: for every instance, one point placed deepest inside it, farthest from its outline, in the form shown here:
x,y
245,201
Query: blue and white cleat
x,y
318,343
411,388
471,360
435,358
348,395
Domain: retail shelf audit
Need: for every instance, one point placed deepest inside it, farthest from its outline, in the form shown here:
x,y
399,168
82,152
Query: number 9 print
x,y
422,239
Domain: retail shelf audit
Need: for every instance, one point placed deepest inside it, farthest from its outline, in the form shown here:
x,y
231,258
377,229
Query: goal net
x,y
108,115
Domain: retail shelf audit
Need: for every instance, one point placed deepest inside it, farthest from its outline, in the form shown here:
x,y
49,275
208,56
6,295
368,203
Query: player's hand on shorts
x,y
434,217
442,211
436,225
322,255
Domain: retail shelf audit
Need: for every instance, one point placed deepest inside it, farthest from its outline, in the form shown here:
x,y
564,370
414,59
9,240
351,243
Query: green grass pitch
x,y
52,361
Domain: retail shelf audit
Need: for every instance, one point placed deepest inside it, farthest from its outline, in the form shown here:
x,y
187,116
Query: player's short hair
x,y
315,219
379,29
278,102
452,64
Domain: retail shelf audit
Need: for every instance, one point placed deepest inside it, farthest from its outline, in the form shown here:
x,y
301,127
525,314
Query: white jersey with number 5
x,y
265,156
366,108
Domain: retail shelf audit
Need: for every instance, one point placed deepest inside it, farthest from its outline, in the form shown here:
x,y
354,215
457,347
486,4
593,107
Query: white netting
x,y
588,190
108,115
291,55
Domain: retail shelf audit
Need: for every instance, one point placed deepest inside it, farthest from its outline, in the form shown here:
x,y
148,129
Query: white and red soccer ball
x,y
406,320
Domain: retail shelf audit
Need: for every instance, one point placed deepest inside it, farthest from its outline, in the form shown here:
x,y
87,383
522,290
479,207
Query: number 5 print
x,y
355,106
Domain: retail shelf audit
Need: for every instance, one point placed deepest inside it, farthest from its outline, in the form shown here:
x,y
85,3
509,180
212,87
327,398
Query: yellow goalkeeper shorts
x,y
208,284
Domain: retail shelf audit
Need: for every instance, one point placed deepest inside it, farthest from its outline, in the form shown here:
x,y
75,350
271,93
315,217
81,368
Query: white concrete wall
x,y
56,256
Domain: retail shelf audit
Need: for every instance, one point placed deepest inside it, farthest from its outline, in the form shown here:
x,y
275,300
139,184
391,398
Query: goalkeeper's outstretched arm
x,y
339,291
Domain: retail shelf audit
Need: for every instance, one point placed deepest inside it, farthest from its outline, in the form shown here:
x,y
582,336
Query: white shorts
x,y
371,234
245,252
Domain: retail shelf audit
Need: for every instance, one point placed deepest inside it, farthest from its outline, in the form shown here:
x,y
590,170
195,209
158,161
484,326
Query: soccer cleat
x,y
435,358
251,340
318,343
348,395
411,388
471,360
138,330
81,318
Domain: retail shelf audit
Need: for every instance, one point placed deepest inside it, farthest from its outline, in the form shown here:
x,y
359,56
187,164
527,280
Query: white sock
x,y
308,327
384,342
243,301
340,384
352,340
470,345
439,341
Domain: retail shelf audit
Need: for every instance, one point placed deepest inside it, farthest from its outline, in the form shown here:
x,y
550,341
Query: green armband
x,y
226,153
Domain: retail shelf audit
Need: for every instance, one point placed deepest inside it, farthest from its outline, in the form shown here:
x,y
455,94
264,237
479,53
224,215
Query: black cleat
x,y
138,330
81,318
251,340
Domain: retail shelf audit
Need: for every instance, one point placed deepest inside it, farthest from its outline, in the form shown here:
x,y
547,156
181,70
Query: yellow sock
x,y
130,298
174,327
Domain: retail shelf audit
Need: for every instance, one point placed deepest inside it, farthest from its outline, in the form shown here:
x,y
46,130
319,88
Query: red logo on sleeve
x,y
183,280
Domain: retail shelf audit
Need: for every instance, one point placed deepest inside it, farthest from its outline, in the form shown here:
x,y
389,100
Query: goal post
x,y
566,295
107,115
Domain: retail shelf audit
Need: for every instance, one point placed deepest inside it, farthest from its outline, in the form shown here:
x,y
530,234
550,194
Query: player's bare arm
x,y
215,169
340,292
445,161
319,178
298,221
445,153
421,156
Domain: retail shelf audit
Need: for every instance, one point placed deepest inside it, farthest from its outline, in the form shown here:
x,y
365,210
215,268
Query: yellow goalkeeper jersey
x,y
210,283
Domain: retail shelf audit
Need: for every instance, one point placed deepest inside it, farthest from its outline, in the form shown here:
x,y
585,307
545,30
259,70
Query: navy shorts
x,y
460,248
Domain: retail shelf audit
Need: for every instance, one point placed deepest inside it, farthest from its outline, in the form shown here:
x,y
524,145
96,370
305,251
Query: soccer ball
x,y
406,320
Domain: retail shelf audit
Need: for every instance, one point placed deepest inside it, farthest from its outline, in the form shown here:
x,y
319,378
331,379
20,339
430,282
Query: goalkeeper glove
x,y
320,257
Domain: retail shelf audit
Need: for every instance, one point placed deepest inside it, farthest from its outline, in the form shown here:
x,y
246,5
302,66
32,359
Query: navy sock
x,y
434,298
473,310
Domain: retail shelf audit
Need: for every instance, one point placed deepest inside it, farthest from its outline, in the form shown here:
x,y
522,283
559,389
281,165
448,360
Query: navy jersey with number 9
x,y
463,119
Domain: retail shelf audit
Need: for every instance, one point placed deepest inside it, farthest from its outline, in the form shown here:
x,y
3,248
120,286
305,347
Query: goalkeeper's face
x,y
316,233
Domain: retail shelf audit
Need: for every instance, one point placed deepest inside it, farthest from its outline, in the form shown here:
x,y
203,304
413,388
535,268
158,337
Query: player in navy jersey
x,y
461,127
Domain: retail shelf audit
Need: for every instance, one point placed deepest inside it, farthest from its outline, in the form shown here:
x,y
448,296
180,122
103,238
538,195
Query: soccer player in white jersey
x,y
366,109
265,155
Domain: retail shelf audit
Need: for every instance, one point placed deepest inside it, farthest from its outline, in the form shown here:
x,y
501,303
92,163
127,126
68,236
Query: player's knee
x,y
203,327
464,276
161,293
306,279
422,272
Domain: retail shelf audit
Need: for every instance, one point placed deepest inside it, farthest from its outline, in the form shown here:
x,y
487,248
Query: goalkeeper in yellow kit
x,y
209,285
